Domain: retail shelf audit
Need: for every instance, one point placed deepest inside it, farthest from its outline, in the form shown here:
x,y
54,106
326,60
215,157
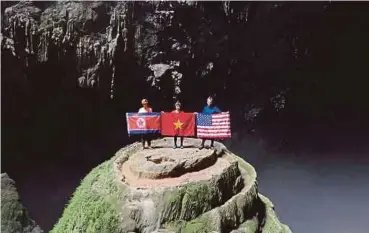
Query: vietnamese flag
x,y
178,124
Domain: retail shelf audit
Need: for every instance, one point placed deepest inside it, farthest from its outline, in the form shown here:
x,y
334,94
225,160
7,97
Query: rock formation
x,y
14,217
171,190
265,62
165,45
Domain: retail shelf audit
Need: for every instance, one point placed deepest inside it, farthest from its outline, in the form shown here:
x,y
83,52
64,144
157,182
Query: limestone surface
x,y
158,163
170,190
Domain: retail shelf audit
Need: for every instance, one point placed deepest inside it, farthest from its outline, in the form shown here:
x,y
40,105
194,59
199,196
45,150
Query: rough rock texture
x,y
225,198
14,217
282,66
94,39
158,164
168,46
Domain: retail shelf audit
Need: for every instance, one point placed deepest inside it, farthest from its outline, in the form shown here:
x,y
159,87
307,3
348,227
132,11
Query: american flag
x,y
213,126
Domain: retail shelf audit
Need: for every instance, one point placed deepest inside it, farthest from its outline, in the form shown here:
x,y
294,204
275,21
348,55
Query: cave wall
x,y
71,69
221,46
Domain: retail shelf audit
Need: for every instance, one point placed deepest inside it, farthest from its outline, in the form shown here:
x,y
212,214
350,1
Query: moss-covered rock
x,y
95,205
14,217
226,201
272,223
202,224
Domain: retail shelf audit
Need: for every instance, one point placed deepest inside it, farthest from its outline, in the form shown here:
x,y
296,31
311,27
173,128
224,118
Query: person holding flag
x,y
177,124
145,109
209,109
145,123
177,109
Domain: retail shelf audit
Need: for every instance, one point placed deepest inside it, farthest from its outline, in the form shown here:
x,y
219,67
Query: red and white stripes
x,y
220,127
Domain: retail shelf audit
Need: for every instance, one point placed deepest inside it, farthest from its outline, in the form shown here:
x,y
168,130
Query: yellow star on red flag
x,y
178,124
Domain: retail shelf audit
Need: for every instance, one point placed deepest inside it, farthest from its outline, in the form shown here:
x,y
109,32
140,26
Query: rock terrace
x,y
164,166
163,162
171,191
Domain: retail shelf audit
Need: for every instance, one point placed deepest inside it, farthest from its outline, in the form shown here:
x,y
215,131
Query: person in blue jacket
x,y
209,109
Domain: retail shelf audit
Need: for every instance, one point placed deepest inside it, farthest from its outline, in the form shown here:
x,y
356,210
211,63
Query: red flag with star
x,y
178,124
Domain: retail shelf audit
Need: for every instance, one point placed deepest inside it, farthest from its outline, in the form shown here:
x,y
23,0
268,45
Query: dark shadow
x,y
158,147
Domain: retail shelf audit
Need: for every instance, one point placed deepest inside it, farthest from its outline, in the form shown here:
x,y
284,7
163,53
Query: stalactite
x,y
112,83
125,38
93,55
82,51
109,31
79,52
226,7
27,35
33,38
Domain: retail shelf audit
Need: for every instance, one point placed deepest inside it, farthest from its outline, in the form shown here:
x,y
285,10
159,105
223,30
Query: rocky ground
x,y
170,190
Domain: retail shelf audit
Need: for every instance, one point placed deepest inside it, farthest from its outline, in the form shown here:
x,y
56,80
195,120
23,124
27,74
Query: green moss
x,y
175,198
199,225
94,205
251,225
241,163
172,204
14,217
198,198
201,190
285,229
12,213
272,223
174,226
187,202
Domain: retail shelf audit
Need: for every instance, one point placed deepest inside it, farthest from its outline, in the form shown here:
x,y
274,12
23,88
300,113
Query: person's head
x,y
145,103
177,106
209,101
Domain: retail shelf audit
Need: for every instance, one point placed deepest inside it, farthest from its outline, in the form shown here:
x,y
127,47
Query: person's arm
x,y
204,110
217,110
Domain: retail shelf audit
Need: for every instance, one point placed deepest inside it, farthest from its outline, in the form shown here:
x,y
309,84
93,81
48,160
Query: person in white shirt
x,y
145,106
144,137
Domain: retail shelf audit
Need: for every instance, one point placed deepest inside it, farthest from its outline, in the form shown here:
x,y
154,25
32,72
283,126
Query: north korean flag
x,y
143,123
178,124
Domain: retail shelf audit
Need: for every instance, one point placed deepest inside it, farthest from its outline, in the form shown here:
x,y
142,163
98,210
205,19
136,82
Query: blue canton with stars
x,y
203,119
